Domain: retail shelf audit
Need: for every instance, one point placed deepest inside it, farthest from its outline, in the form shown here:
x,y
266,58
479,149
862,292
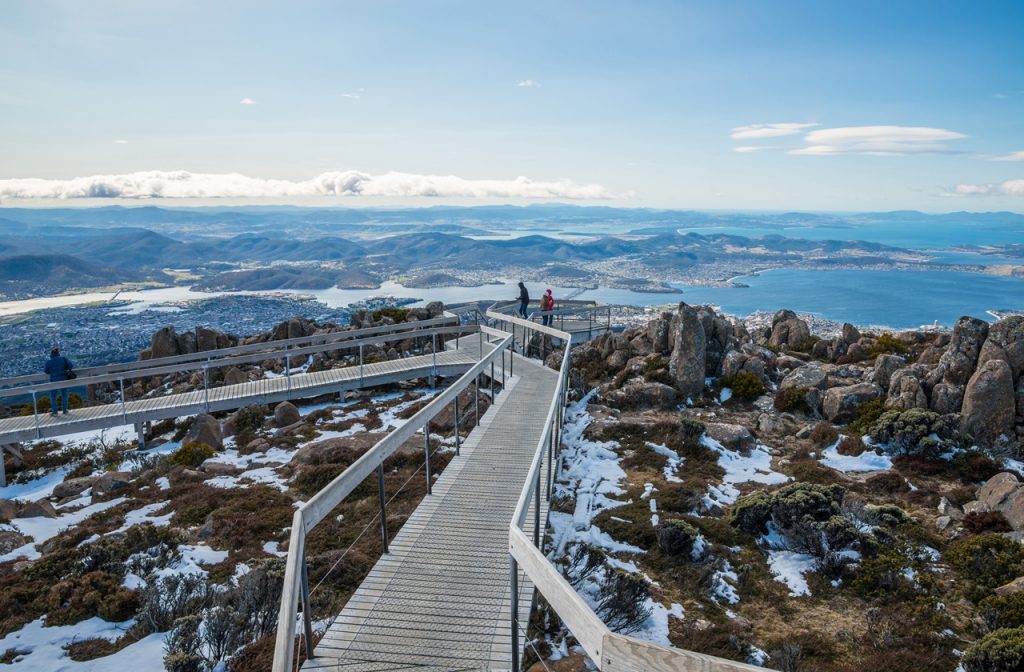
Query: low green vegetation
x,y
744,385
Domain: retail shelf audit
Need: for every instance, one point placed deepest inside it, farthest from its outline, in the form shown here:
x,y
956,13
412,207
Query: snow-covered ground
x,y
753,468
41,648
869,460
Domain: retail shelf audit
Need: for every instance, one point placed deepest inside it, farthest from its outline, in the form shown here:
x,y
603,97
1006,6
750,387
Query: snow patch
x,y
789,568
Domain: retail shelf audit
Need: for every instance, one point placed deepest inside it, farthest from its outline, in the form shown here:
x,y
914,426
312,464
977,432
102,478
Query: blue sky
x,y
888,105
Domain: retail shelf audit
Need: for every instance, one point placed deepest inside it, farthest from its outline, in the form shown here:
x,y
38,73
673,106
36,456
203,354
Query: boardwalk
x,y
263,391
440,600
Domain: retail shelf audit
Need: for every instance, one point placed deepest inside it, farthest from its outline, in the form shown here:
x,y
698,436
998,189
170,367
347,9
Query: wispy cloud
x,y
750,149
247,101
354,95
120,142
528,84
878,140
1012,156
1007,188
757,131
183,184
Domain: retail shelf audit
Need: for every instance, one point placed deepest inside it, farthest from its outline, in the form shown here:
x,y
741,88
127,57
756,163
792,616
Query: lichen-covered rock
x,y
840,403
689,344
40,509
234,376
885,366
905,391
989,403
110,482
788,330
809,376
947,398
164,343
73,487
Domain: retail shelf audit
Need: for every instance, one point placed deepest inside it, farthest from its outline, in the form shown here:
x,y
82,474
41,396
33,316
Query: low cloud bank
x,y
183,184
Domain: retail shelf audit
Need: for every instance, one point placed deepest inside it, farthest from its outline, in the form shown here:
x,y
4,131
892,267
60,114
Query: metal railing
x,y
596,316
355,341
296,580
610,651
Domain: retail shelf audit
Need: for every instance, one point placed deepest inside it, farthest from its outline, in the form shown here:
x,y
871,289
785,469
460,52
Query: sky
x,y
829,106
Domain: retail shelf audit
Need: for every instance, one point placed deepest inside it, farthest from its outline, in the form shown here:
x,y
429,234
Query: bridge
x,y
454,588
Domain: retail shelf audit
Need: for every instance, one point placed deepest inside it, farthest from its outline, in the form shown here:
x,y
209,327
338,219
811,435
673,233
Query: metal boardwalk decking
x,y
440,600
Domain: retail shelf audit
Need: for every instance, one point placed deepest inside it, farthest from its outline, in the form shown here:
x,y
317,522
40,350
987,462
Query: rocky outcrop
x,y
788,330
733,437
885,366
905,391
958,362
638,393
73,487
988,408
111,482
1006,341
687,362
166,342
840,403
811,376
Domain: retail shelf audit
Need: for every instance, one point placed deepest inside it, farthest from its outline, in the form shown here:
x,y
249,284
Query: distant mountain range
x,y
73,248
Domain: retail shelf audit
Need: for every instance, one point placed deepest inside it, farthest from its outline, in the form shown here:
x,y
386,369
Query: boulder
x,y
10,540
8,509
220,468
975,507
733,437
73,487
840,404
689,343
1015,586
40,509
206,429
947,508
809,376
657,333
997,489
286,414
733,363
187,343
989,402
164,343
434,309
885,366
788,330
339,450
112,481
1006,341
959,361
639,394
850,334
234,376
206,339
942,522
1020,397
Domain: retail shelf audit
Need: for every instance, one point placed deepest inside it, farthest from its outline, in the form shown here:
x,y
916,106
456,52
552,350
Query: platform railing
x,y
596,316
609,651
296,591
21,384
216,359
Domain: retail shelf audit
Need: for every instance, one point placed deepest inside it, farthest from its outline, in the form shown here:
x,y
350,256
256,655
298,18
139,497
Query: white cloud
x,y
878,140
354,95
120,142
748,149
1007,188
247,101
183,184
528,84
756,131
1012,156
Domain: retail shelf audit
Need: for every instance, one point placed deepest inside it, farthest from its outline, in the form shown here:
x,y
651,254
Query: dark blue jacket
x,y
57,367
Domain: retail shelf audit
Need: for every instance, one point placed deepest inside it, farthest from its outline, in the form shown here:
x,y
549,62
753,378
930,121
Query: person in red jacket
x,y
547,304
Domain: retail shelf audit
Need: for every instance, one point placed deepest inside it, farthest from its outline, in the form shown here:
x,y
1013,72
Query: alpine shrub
x,y
1000,651
744,385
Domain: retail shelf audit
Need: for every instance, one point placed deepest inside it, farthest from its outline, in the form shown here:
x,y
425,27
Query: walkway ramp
x,y
440,600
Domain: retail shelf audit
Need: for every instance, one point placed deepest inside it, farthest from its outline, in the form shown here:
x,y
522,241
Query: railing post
x,y
35,412
206,387
476,399
426,456
383,507
433,359
481,343
502,369
307,615
511,357
458,438
551,452
124,412
493,393
360,365
536,512
515,615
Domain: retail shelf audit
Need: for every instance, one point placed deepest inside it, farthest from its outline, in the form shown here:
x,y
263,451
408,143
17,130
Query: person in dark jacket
x,y
57,368
524,300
